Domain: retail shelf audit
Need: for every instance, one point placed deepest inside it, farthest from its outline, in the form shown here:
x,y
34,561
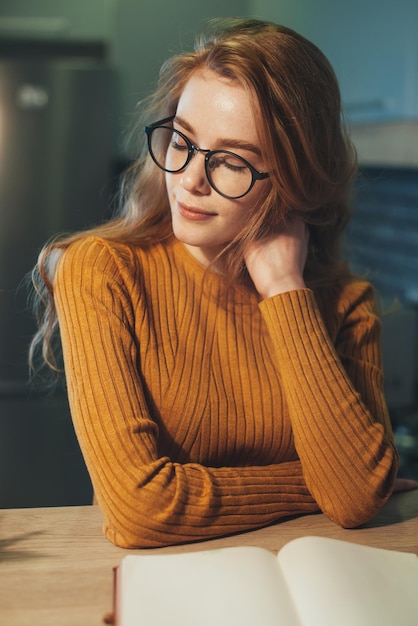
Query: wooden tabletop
x,y
56,566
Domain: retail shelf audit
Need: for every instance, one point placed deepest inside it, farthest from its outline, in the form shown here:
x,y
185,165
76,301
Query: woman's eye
x,y
178,146
234,166
228,161
178,143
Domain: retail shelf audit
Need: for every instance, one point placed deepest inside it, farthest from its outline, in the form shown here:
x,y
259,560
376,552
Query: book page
x,y
337,582
225,587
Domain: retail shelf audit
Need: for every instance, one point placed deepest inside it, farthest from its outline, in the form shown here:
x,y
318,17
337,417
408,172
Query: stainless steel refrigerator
x,y
56,144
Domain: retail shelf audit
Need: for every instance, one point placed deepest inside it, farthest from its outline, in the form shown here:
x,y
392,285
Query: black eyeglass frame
x,y
192,150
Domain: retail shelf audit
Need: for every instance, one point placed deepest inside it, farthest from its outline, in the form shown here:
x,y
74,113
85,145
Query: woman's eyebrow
x,y
225,143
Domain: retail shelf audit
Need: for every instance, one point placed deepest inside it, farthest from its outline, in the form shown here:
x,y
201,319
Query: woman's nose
x,y
193,177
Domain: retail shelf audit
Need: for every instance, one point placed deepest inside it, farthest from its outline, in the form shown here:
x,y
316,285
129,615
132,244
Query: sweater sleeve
x,y
334,389
147,499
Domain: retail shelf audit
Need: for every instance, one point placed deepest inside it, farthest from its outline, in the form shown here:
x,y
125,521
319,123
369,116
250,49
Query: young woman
x,y
223,364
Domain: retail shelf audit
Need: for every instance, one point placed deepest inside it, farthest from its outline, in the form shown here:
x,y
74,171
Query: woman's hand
x,y
276,262
405,484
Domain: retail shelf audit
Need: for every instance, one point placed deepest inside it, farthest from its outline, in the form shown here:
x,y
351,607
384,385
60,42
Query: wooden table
x,y
56,566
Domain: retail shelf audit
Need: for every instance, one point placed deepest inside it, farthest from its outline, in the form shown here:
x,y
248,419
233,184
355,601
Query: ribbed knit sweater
x,y
198,417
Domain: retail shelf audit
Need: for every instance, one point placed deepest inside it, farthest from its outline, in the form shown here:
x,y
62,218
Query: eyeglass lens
x,y
227,172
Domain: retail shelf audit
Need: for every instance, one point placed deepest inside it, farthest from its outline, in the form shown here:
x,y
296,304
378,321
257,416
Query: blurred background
x,y
71,74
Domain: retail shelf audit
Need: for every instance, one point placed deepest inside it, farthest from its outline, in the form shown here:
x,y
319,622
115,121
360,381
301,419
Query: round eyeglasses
x,y
228,174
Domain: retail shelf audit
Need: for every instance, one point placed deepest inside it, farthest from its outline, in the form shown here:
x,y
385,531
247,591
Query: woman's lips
x,y
193,213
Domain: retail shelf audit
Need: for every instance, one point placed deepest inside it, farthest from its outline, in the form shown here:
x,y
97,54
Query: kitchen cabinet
x,y
56,20
136,37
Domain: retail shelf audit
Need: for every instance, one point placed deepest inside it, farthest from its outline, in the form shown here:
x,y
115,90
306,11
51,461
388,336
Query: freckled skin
x,y
215,109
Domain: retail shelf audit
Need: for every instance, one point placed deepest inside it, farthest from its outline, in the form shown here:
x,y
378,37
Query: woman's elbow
x,y
356,511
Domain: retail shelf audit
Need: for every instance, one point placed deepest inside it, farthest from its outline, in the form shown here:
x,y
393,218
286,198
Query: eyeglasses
x,y
228,173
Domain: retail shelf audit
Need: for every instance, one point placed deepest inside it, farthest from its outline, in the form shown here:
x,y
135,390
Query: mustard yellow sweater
x,y
198,418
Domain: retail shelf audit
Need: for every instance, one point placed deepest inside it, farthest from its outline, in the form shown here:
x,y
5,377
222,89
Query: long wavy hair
x,y
302,135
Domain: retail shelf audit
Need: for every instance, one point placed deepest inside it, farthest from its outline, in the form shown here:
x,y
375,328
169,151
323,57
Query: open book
x,y
313,581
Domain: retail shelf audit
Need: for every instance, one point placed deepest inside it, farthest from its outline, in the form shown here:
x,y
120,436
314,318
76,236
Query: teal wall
x,y
372,45
146,33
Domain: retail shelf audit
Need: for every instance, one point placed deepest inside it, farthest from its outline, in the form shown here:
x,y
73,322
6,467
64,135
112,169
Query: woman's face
x,y
214,113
